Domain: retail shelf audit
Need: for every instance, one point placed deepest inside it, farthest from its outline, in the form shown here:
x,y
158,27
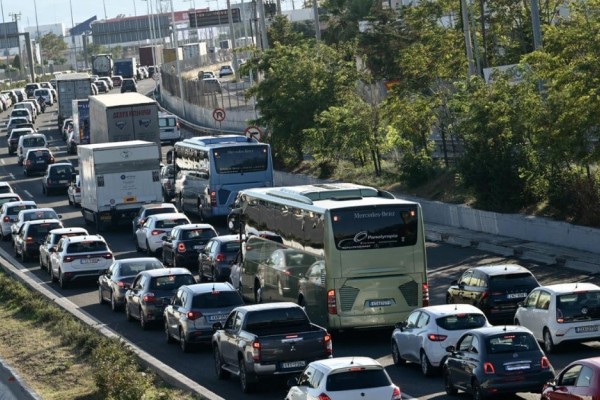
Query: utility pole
x,y
535,22
263,25
315,4
16,17
5,40
236,70
175,42
38,42
467,33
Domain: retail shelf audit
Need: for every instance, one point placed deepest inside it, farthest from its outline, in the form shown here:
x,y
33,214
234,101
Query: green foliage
x,y
16,64
282,32
53,47
342,19
417,168
576,196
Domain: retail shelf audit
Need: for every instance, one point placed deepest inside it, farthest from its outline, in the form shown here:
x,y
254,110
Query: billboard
x,y
9,35
205,19
131,29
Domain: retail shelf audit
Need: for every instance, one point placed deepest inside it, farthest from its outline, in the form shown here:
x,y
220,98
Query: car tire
x,y
448,386
44,190
174,261
128,315
100,298
426,367
183,343
549,346
137,246
168,338
61,280
69,199
257,293
448,299
398,360
24,257
221,373
53,278
149,252
246,386
279,287
143,323
113,303
477,391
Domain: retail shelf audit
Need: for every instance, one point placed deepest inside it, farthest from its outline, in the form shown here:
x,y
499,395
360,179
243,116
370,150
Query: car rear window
x,y
159,210
217,299
461,321
230,247
5,189
510,281
7,199
41,230
355,379
40,215
293,316
132,268
14,210
170,223
511,343
89,246
198,234
579,306
171,282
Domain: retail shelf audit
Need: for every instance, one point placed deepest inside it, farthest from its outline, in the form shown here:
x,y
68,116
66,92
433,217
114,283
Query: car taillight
x,y
213,199
28,239
108,256
77,190
220,257
68,258
193,315
6,219
436,338
181,247
123,285
256,351
156,232
51,160
328,344
425,296
149,298
323,396
396,394
559,316
331,302
28,163
545,363
488,368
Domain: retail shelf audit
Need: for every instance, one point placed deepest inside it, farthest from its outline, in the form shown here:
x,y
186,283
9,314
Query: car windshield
x,y
461,321
581,306
510,343
217,299
356,379
132,268
171,282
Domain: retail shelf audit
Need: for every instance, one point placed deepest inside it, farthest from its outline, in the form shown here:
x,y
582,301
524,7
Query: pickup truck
x,y
264,340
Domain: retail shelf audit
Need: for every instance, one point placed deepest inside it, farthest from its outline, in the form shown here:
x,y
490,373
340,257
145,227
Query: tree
x,y
53,47
16,64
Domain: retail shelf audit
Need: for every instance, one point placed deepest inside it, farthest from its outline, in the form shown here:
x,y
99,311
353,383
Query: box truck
x,y
151,55
116,180
71,87
126,67
81,124
124,116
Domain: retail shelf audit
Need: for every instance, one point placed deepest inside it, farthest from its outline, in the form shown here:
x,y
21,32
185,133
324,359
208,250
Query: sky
x,y
56,11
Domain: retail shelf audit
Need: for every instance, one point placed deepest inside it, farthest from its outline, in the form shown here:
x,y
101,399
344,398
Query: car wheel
x,y
70,201
549,346
398,360
143,322
448,386
128,315
426,366
168,337
174,261
53,278
279,287
24,257
44,190
137,246
61,280
449,299
113,303
257,293
477,392
149,252
183,343
247,387
221,373
100,297
517,322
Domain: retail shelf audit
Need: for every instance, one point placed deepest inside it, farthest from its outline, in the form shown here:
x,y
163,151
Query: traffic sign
x,y
218,114
253,132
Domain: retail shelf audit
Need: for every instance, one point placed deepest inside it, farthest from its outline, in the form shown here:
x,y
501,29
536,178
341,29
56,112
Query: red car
x,y
578,380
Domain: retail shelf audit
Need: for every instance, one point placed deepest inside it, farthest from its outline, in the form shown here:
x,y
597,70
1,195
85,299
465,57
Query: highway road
x,y
445,264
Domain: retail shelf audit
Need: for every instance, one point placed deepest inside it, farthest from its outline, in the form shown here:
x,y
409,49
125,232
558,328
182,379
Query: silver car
x,y
195,308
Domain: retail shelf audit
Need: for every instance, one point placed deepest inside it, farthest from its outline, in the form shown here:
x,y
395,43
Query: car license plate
x,y
40,162
588,328
217,317
517,366
380,303
89,260
293,364
516,295
65,181
198,247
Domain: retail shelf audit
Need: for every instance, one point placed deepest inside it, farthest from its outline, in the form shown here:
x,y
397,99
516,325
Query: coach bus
x,y
212,169
352,255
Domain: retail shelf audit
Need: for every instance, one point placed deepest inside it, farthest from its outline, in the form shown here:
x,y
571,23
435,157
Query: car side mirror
x,y
451,349
165,238
401,325
292,382
217,326
52,250
521,304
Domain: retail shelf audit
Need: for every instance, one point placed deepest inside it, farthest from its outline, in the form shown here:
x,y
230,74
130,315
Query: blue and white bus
x,y
211,170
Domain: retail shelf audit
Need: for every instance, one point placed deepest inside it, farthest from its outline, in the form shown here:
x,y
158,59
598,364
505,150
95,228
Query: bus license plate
x,y
588,328
381,303
293,364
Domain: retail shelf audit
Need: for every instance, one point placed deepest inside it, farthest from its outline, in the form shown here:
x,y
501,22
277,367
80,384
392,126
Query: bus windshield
x,y
239,159
375,228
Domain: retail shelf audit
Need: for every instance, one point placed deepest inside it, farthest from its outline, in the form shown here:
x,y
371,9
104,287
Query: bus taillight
x,y
331,302
425,294
213,199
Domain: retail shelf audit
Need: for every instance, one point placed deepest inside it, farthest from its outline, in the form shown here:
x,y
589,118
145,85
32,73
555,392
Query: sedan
x,y
423,337
149,237
195,308
181,246
496,360
343,378
117,279
579,380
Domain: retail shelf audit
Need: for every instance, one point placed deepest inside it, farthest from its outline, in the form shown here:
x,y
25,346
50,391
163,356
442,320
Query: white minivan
x,y
169,127
46,94
30,141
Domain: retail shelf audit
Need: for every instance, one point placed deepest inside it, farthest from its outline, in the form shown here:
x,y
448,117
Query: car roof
x,y
268,306
38,209
562,288
137,259
61,164
332,364
451,309
195,226
209,287
62,231
84,238
168,215
20,203
227,238
499,330
4,183
166,271
43,221
5,195
501,269
158,205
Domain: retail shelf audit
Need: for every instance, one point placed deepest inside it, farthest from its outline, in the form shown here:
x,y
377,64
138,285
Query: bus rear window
x,y
375,227
238,159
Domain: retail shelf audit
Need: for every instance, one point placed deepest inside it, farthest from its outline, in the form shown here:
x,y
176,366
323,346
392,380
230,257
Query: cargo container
x,y
71,87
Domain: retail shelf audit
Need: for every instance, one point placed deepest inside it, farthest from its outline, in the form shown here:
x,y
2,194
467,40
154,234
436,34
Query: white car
x,y
9,212
32,215
343,378
565,312
78,258
149,235
51,241
5,187
8,197
424,335
151,209
74,192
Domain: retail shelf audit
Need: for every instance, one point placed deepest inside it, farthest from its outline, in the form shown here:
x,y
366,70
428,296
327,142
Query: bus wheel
x,y
257,293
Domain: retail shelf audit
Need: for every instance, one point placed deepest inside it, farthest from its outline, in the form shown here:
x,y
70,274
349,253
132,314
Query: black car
x,y
117,279
58,177
182,245
495,289
496,360
37,160
215,260
13,139
167,180
128,85
31,235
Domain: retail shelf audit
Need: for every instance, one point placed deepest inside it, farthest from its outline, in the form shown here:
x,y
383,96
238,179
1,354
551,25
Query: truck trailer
x,y
151,55
71,87
122,117
126,67
116,180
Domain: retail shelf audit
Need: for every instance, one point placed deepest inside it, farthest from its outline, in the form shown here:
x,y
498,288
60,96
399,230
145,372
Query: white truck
x,y
116,180
71,87
123,116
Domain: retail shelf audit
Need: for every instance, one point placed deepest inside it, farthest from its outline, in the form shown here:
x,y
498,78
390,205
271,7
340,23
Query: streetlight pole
x,y
5,38
176,43
73,37
37,27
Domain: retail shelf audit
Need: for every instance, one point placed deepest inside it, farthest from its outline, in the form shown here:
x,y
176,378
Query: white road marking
x,y
10,174
28,194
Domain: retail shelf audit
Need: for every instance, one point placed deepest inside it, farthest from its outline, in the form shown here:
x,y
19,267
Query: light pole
x,y
195,16
5,38
175,42
37,27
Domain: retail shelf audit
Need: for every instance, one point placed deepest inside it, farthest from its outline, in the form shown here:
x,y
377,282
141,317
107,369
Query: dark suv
x,y
37,161
495,289
31,235
128,85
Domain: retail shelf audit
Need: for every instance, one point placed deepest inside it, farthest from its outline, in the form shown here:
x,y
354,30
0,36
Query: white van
x,y
28,106
46,94
30,141
169,127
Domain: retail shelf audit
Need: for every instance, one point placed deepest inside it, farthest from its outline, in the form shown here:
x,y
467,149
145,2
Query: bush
x,y
576,197
416,169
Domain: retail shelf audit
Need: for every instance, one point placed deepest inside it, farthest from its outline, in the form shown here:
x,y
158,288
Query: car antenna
x,y
504,328
352,362
455,307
